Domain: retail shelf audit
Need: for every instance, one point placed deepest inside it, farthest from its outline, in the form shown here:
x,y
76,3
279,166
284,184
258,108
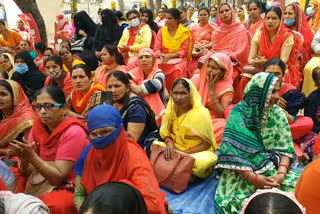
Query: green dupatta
x,y
254,131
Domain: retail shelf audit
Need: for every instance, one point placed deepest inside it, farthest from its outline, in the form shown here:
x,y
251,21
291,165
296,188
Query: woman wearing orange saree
x,y
314,21
148,82
85,95
226,38
16,114
215,85
202,33
255,22
111,60
295,19
174,48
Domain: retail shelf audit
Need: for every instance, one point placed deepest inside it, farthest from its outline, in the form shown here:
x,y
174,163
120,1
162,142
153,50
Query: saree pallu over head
x,y
222,86
197,120
21,118
254,132
225,39
81,103
48,142
314,22
138,76
11,59
302,27
174,44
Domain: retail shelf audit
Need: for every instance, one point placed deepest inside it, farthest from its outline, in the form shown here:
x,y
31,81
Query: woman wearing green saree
x,y
256,148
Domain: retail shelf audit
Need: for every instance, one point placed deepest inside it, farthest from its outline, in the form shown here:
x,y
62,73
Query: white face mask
x,y
134,22
310,11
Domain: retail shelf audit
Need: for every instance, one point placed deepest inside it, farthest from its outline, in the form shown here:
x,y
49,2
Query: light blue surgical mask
x,y
289,22
134,22
21,69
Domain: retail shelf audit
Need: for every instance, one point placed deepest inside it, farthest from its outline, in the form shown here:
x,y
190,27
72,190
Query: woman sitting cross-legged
x,y
84,96
187,127
112,157
48,157
138,118
215,85
256,148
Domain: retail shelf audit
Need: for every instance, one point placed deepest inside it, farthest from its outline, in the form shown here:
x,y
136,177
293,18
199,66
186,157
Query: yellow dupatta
x,y
174,44
197,120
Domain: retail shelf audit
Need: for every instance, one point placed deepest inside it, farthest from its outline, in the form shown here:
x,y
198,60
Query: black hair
x,y
275,61
57,60
68,42
204,8
256,2
222,4
40,47
4,75
5,56
113,51
27,41
62,49
164,6
175,13
316,75
6,84
131,12
119,75
55,93
164,9
84,67
212,8
190,6
269,202
181,81
277,10
182,8
119,15
2,22
49,49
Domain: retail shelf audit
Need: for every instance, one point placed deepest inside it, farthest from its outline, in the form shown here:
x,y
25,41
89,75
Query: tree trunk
x,y
180,2
158,5
30,6
120,5
150,5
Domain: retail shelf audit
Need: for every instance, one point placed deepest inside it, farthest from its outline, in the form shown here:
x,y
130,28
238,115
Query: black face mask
x,y
123,99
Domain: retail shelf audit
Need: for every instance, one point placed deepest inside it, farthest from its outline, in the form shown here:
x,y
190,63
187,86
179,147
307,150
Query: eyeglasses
x,y
46,106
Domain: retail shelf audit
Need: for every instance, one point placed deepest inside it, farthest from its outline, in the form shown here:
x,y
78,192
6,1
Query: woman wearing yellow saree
x,y
187,127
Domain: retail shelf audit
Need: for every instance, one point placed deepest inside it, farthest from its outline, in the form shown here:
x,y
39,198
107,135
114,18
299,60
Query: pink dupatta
x,y
232,40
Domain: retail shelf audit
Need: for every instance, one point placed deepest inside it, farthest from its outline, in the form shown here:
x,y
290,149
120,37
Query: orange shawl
x,y
254,27
101,74
226,39
21,119
138,77
314,21
80,102
202,34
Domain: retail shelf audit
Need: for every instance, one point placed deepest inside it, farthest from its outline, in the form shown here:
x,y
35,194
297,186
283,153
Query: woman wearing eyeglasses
x,y
16,115
49,155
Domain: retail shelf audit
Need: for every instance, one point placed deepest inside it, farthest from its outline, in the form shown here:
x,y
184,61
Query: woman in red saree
x,y
215,85
148,82
49,155
174,48
61,29
225,39
85,95
294,12
16,114
256,21
112,157
111,60
202,33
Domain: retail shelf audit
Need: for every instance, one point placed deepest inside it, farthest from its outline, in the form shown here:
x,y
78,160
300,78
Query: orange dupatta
x,y
101,74
21,119
80,102
138,77
202,34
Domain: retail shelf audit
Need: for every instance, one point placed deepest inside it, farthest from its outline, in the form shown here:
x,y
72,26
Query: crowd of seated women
x,y
241,97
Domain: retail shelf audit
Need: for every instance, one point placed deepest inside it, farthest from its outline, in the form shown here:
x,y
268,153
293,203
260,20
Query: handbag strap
x,y
180,157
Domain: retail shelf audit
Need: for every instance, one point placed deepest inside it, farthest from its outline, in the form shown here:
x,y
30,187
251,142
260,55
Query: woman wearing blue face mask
x,y
112,157
295,19
134,38
27,74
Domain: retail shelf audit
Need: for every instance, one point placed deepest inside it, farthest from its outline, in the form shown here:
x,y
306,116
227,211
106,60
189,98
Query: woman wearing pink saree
x,y
215,85
202,33
231,38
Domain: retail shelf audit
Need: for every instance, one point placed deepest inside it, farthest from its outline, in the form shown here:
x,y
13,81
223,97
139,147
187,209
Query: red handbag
x,y
173,175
